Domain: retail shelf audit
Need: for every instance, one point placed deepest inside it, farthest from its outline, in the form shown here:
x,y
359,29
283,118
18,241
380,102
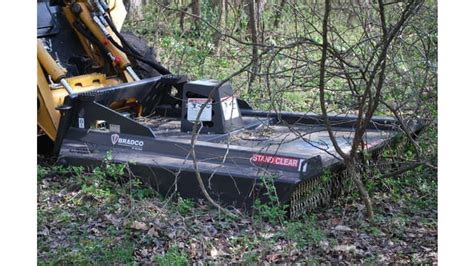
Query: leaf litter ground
x,y
84,217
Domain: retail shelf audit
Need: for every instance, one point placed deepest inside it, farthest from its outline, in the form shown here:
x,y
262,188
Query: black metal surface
x,y
46,23
382,123
290,148
162,162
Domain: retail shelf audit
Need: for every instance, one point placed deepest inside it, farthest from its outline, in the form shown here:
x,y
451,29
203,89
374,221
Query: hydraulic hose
x,y
132,52
162,70
103,50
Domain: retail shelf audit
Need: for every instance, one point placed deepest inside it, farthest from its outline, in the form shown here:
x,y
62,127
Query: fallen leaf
x,y
215,252
152,232
95,231
139,226
345,248
267,235
426,248
342,228
324,244
171,234
111,218
44,232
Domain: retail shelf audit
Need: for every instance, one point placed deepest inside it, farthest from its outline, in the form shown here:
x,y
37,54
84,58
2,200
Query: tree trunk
x,y
349,159
196,10
356,176
135,7
254,37
276,22
259,8
221,26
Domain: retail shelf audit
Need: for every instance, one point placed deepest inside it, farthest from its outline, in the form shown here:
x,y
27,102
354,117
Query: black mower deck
x,y
292,149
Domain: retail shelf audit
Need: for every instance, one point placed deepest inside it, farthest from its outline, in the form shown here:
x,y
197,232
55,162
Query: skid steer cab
x,y
102,91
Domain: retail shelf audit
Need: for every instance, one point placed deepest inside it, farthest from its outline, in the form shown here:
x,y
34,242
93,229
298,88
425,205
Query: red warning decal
x,y
275,160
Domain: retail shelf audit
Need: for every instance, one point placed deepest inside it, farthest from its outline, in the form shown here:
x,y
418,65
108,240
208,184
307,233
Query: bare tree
x,y
351,57
370,74
254,38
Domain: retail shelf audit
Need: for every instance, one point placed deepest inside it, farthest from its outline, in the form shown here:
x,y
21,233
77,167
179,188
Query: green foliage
x,y
268,212
251,257
174,256
121,254
113,170
326,176
184,206
304,233
41,172
272,211
61,169
96,252
141,191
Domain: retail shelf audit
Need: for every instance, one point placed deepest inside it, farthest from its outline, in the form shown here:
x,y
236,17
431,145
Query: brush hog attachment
x,y
237,149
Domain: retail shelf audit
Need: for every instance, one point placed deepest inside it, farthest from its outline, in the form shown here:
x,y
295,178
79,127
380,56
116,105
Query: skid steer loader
x,y
103,92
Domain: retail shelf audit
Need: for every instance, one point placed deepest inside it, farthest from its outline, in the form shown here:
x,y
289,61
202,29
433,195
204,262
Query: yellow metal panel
x,y
50,97
118,12
48,116
46,60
